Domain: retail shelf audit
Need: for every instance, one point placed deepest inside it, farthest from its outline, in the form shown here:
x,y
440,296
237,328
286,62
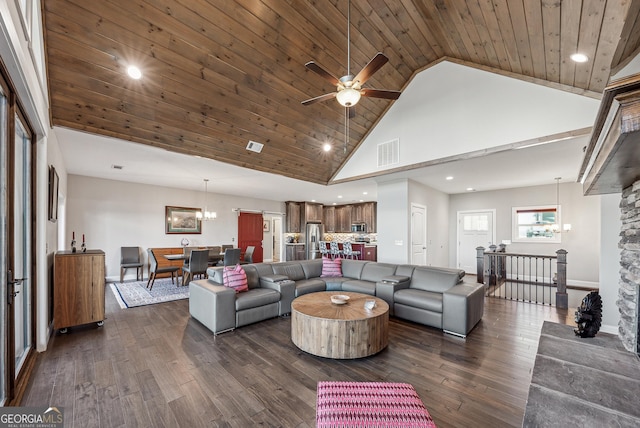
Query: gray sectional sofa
x,y
432,296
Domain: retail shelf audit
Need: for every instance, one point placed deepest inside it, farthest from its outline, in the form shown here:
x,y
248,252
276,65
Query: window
x,y
535,224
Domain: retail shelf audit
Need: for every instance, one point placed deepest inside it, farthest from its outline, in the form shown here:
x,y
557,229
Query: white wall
x,y
451,109
394,221
583,212
610,226
437,204
113,214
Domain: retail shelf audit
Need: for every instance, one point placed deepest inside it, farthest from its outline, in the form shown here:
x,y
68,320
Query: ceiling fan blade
x,y
311,65
380,93
319,99
352,111
374,65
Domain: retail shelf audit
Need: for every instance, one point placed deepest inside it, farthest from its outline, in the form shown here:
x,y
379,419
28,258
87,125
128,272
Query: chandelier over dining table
x,y
205,214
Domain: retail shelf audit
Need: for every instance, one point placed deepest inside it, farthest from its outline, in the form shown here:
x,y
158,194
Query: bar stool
x,y
324,251
334,249
348,251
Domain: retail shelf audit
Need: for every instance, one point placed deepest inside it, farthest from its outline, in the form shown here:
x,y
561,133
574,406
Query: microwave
x,y
359,227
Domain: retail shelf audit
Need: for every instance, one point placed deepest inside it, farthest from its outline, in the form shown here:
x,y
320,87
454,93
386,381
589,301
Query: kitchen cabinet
x,y
78,288
365,213
329,219
295,252
293,217
343,218
370,253
312,212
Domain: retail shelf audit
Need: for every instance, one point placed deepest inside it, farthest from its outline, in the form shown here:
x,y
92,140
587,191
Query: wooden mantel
x,y
612,158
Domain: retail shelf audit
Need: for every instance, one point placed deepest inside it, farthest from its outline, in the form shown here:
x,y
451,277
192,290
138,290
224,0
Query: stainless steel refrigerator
x,y
313,234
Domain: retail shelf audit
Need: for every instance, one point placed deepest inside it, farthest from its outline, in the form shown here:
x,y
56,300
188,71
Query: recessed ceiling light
x,y
470,189
339,196
313,200
326,147
579,57
361,200
365,193
335,203
134,72
450,177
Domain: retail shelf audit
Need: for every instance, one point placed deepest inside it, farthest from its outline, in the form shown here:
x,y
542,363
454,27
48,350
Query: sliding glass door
x,y
17,271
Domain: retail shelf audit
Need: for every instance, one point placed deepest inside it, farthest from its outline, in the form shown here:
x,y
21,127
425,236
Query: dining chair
x,y
214,254
130,258
334,249
154,269
198,264
186,251
348,251
231,257
248,254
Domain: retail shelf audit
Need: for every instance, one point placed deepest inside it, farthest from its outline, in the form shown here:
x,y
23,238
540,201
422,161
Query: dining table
x,y
213,258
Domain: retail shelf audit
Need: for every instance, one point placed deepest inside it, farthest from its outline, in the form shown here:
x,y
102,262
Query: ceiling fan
x,y
349,87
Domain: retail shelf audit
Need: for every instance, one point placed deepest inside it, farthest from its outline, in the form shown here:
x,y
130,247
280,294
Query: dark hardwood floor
x,y
154,366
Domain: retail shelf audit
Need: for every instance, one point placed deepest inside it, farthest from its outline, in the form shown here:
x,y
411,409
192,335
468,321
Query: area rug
x,y
370,404
134,294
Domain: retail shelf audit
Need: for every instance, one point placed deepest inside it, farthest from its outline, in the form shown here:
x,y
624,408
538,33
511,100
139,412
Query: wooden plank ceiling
x,y
218,73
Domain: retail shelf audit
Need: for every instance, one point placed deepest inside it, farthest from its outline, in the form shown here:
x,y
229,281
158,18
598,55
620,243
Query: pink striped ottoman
x,y
370,404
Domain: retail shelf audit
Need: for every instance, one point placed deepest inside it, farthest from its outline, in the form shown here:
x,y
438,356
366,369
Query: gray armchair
x,y
129,259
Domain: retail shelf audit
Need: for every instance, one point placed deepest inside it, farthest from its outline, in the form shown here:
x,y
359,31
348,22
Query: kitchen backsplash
x,y
338,237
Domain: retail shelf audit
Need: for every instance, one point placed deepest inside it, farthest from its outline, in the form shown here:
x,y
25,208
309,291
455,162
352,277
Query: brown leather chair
x,y
154,269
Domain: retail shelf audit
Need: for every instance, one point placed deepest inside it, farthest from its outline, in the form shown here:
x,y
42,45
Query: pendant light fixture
x,y
205,214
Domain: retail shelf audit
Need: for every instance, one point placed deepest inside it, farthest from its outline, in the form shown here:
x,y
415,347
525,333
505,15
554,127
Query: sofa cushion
x,y
353,268
236,278
436,280
255,298
305,286
374,272
293,271
427,300
253,276
312,268
335,284
331,268
359,286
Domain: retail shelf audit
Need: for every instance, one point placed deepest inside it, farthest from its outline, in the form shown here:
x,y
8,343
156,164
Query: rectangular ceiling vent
x,y
255,147
389,153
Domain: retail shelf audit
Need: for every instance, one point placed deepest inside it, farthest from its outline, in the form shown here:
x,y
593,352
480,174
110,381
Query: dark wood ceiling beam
x,y
629,43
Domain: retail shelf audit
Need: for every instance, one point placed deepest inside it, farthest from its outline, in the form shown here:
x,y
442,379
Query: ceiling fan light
x,y
348,97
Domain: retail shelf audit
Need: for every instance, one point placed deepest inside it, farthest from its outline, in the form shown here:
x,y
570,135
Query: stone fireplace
x,y
628,293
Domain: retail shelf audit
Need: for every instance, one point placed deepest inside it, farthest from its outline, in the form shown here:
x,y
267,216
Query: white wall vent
x,y
255,147
389,153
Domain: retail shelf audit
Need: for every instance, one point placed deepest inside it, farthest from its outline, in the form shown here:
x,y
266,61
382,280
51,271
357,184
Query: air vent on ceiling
x,y
117,166
255,147
388,153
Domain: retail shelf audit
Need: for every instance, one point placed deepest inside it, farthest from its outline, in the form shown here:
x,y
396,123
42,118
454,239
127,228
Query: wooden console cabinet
x,y
78,287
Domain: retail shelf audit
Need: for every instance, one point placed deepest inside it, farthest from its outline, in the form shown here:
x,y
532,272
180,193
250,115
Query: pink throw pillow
x,y
235,277
331,267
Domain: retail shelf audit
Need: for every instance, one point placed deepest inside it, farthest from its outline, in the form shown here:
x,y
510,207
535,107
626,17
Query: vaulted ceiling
x,y
219,73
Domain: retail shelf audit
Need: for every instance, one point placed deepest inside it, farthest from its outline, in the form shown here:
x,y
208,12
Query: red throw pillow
x,y
331,267
235,277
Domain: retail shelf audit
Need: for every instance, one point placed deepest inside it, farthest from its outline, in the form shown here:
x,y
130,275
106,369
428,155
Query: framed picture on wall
x,y
182,220
265,225
53,194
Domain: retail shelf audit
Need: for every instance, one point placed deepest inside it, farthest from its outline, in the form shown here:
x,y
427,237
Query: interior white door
x,y
418,234
475,229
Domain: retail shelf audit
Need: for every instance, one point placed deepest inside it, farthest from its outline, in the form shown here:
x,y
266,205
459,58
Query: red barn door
x,y
250,233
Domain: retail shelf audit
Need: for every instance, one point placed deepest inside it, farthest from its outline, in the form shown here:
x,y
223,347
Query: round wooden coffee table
x,y
325,329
